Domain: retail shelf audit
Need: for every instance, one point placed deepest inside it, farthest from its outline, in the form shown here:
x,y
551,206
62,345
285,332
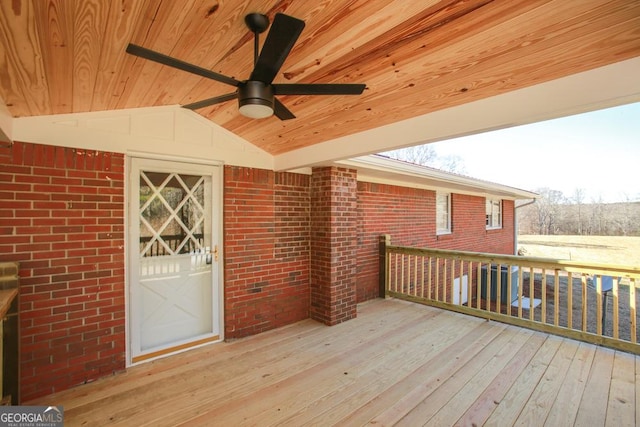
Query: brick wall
x,y
62,218
266,250
408,215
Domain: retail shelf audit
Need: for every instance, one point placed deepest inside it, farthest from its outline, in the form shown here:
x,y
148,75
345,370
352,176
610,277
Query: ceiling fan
x,y
256,96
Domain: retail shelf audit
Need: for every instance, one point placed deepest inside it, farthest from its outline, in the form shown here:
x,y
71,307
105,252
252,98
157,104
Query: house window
x,y
494,213
443,213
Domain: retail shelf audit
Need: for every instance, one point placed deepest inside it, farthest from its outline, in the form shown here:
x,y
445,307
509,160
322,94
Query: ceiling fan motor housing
x,y
255,96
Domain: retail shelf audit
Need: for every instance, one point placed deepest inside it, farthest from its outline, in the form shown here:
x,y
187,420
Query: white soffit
x,y
604,87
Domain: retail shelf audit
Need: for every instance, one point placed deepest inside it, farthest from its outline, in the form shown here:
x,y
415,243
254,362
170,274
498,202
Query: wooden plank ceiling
x,y
416,57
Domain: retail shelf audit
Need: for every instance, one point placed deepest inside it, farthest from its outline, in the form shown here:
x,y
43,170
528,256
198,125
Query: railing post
x,y
383,265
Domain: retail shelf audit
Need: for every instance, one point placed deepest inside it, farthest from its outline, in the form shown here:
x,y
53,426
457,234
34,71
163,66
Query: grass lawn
x,y
619,250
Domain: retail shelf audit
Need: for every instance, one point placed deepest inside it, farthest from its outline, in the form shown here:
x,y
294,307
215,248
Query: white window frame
x,y
493,211
439,213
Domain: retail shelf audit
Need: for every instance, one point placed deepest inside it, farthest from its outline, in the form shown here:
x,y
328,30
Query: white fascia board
x,y
604,87
164,131
389,171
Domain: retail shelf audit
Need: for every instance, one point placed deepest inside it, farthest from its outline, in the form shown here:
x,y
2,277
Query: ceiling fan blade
x,y
160,58
281,111
283,34
211,101
318,89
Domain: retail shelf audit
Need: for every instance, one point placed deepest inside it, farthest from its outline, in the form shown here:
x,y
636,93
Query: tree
x,y
578,198
625,218
452,164
552,213
597,221
547,210
425,155
418,154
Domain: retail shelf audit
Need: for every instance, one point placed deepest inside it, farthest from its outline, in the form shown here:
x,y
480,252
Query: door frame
x,y
217,227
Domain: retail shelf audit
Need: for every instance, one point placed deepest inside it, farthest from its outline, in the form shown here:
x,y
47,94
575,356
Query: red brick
x,y
42,188
32,179
11,205
49,172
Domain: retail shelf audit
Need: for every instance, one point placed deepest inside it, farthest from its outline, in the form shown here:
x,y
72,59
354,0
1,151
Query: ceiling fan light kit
x,y
256,96
255,99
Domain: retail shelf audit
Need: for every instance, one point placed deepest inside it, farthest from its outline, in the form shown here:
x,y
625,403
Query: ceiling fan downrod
x,y
257,23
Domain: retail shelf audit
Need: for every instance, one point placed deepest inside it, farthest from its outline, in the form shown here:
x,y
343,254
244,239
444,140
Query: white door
x,y
175,300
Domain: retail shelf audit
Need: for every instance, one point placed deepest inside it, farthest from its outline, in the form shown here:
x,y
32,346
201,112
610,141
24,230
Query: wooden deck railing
x,y
596,303
172,242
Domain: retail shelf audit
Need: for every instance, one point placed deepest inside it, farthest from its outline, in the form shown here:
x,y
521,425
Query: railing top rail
x,y
526,261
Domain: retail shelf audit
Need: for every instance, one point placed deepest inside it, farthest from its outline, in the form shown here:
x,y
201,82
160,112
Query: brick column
x,y
333,244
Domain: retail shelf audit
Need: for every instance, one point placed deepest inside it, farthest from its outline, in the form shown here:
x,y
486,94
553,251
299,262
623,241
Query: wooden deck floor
x,y
398,363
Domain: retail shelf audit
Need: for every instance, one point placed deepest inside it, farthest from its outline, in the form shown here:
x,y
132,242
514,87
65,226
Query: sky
x,y
598,152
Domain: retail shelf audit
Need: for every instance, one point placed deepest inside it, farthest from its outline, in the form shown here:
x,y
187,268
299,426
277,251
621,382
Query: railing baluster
x,y
429,276
452,278
444,280
520,293
408,268
461,275
616,330
437,285
393,267
599,322
498,288
543,312
584,302
556,298
478,280
422,261
415,275
532,284
569,300
395,281
402,282
409,279
488,288
469,283
632,310
445,267
509,292
413,272
388,266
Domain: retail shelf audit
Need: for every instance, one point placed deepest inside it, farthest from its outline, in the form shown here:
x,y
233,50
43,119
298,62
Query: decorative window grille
x,y
171,214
